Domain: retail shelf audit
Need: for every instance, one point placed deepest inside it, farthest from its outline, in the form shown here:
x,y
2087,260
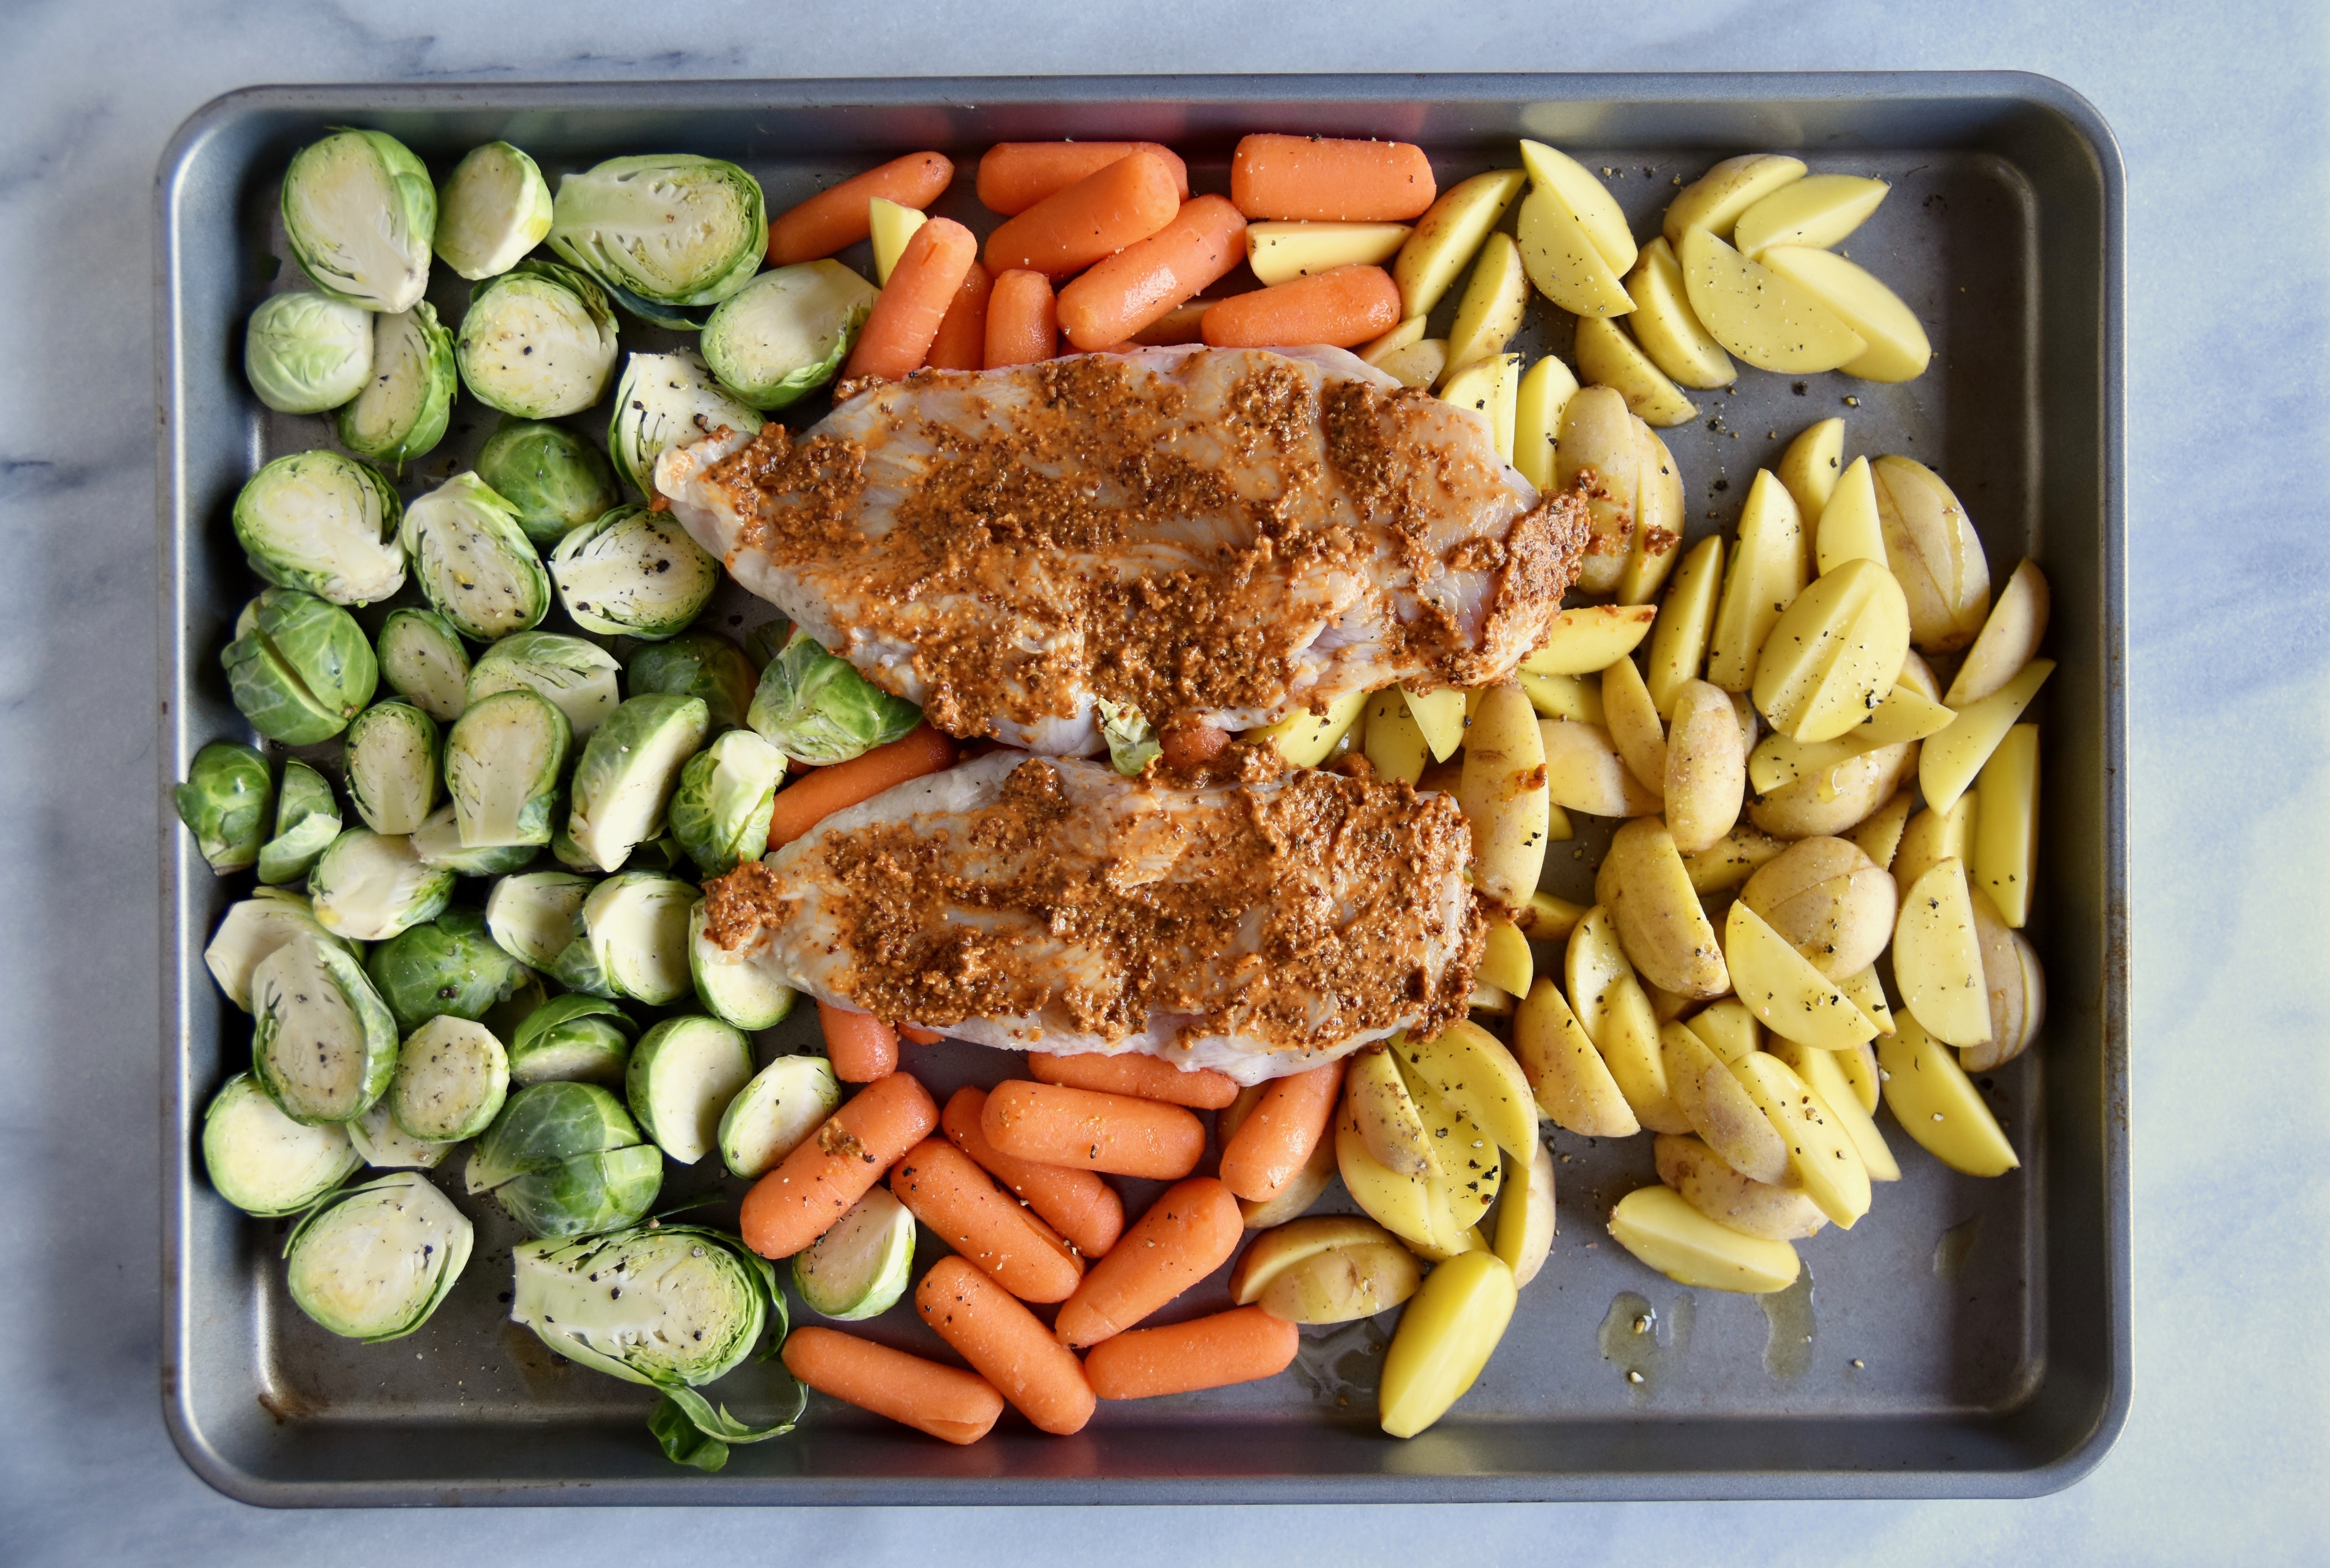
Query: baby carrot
x,y
919,1036
1008,1343
800,1201
831,220
897,336
1022,323
1188,744
1142,1077
1342,306
803,804
1015,176
948,1192
1324,178
1058,1125
1123,293
962,342
1272,1144
1181,324
1245,1345
945,1401
1188,1233
860,1046
1079,1204
1099,216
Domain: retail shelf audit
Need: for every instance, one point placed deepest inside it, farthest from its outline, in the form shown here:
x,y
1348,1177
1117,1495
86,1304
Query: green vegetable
x,y
817,708
491,210
538,341
631,940
359,213
628,771
533,915
449,967
773,1115
472,560
324,1044
731,986
224,802
306,820
862,1266
577,676
437,845
787,332
305,352
554,480
402,412
673,229
424,662
502,765
264,1162
368,887
372,1262
251,930
323,524
574,1038
633,572
300,668
697,664
727,793
666,399
385,1146
451,1076
391,760
1131,740
682,1074
565,1159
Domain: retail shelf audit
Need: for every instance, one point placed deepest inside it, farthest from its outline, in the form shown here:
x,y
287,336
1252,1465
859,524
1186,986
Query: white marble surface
x,y
2220,111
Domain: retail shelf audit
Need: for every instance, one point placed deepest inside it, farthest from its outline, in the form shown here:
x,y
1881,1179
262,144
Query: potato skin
x,y
1834,903
1703,1180
1665,934
1859,786
1706,770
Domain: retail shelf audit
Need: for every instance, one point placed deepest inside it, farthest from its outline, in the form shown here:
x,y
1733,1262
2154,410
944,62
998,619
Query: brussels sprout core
x,y
358,210
373,1262
225,802
305,352
861,1267
260,1160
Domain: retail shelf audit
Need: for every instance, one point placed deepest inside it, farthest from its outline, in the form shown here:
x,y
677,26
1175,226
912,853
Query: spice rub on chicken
x,y
1206,536
1254,921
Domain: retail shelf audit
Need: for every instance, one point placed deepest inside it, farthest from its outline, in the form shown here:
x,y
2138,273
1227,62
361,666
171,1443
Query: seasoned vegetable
x,y
423,662
385,1146
697,664
731,985
533,915
451,966
633,572
1131,740
682,1074
264,1162
666,399
629,768
359,213
632,940
451,1078
473,561
299,668
369,886
551,478
324,524
860,1267
225,801
502,765
437,842
306,820
391,760
537,341
305,352
673,229
372,1263
574,1037
817,708
251,930
720,811
565,1159
491,210
787,332
324,1044
578,677
402,412
776,1112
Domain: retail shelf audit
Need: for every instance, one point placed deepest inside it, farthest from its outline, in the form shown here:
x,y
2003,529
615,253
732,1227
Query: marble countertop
x,y
2220,113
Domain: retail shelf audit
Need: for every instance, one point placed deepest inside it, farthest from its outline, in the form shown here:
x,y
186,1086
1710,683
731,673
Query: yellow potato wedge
x,y
1276,1250
2006,824
1343,1284
1573,697
1716,199
1832,903
1897,348
1590,638
2017,988
1667,1006
1305,738
1860,1068
1932,547
1938,1106
1488,1001
1707,777
1732,859
1760,317
1416,365
1545,391
1951,759
1406,335
1661,926
1698,1175
1525,1214
2009,640
1905,714
1401,1204
1938,957
1546,918
1823,1072
1470,1171
1881,835
1449,234
1629,1043
1488,387
1505,960
1606,357
1786,993
1728,1029
1633,721
1838,798
1686,619
1663,325
1779,762
1439,714
1597,210
1810,465
1561,260
1819,210
1282,251
893,225
1720,1108
1490,310
1659,521
1834,653
1376,1098
1867,993
1468,1069
1570,1081
1767,573
1849,529
1933,836
1394,743
1598,455
1445,1338
1822,1156
1504,795
1665,1233
1585,773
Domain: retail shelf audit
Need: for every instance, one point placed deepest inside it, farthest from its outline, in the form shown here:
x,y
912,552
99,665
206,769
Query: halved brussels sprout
x,y
402,412
629,768
666,399
633,572
672,228
451,1078
727,793
451,966
306,820
502,765
264,1162
787,332
565,1159
491,210
861,1267
773,1115
391,759
385,1146
575,1037
577,676
373,1262
632,940
324,1044
734,987
424,662
534,916
537,341
305,352
324,524
474,562
765,641
300,667
369,886
697,664
1131,740
251,929
359,212
683,1073
815,708
438,844
224,804
556,480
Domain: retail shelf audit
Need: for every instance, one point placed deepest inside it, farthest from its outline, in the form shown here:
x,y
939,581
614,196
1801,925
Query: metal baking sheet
x,y
1970,1338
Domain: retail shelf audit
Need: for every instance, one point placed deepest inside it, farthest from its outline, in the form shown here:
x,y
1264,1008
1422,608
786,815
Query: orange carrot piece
x,y
803,804
1192,745
945,1401
860,1046
962,1204
1123,293
1142,1077
1188,1233
1274,1142
833,220
1079,1204
1099,216
1058,1126
962,342
1343,306
1014,176
904,322
1022,321
1181,324
919,1036
1335,181
1008,1343
1245,1345
801,1199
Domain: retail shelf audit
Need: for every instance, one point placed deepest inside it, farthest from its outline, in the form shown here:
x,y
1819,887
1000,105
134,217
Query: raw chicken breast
x,y
1206,536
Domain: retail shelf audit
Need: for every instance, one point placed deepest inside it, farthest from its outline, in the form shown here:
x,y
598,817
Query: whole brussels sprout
x,y
451,966
391,761
423,662
697,664
305,352
671,228
491,210
264,1162
666,399
627,772
323,524
787,332
555,480
371,1263
408,399
575,1037
565,1159
224,802
538,341
472,560
370,886
633,572
359,212
300,667
324,1044
306,820
817,708
576,676
727,793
